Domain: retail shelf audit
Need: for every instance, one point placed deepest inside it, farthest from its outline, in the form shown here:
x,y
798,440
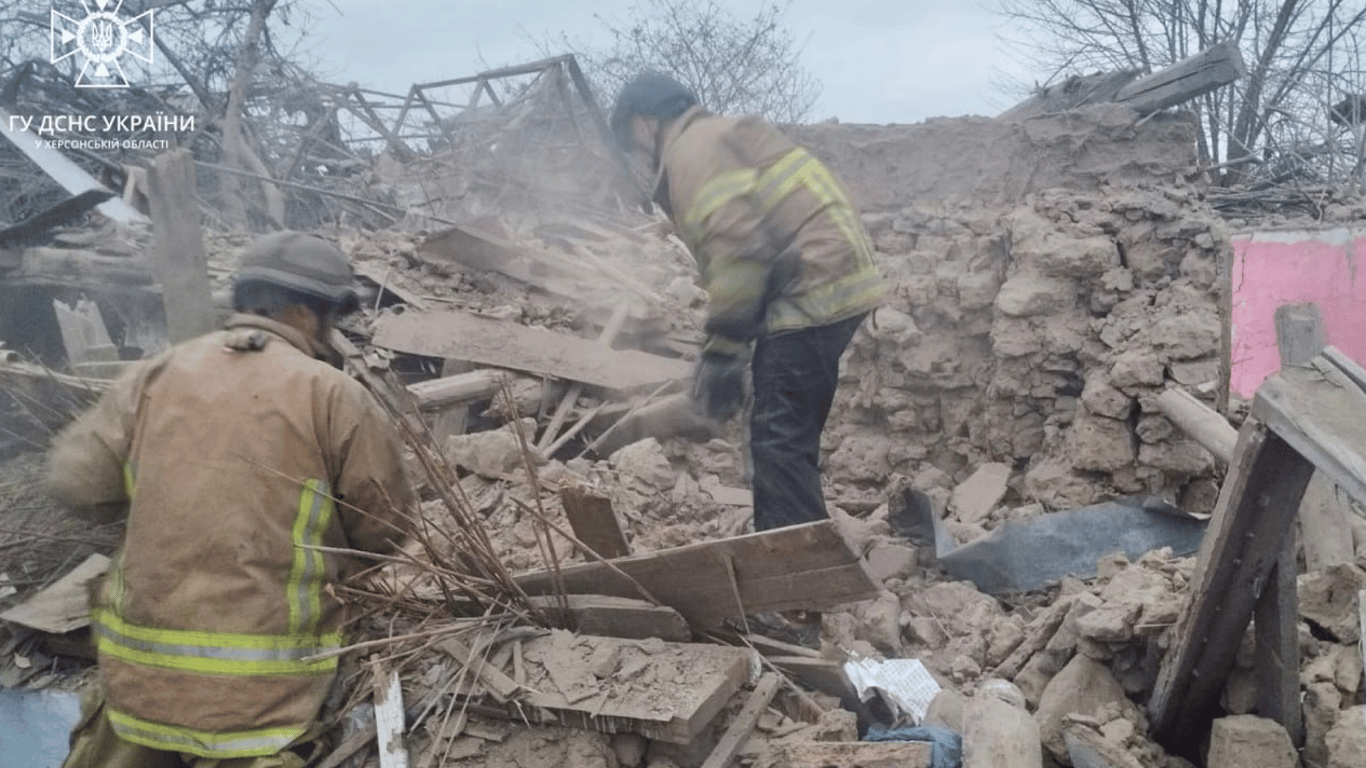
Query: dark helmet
x,y
651,94
301,263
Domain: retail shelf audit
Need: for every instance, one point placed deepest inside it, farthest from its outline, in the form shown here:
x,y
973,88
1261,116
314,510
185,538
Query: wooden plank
x,y
611,616
824,675
1276,625
389,717
1251,520
664,691
1318,410
1324,531
64,606
80,269
743,725
1192,77
1347,365
62,170
800,567
852,754
500,686
593,520
504,344
1200,422
181,263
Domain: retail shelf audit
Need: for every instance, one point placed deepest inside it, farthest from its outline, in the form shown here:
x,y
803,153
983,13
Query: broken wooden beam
x,y
1317,409
460,388
510,345
800,567
1325,533
182,266
1190,78
742,726
1276,620
1245,539
1200,422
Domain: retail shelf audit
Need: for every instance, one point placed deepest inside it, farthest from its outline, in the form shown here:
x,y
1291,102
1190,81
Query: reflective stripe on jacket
x,y
777,241
216,628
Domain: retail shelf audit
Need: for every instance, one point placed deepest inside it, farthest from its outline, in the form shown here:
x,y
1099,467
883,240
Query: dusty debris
x,y
1245,741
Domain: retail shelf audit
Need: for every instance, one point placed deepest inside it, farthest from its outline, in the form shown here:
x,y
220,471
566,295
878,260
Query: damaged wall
x,y
1048,277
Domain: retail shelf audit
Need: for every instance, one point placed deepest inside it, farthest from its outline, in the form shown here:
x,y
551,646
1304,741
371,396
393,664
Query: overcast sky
x,y
879,61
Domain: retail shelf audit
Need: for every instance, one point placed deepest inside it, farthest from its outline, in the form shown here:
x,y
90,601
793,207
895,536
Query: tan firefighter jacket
x,y
777,242
237,452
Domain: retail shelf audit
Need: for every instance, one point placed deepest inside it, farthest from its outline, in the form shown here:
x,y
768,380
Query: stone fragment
x,y
1137,367
1027,295
1329,599
1321,704
1188,335
495,453
1347,741
1102,399
1058,255
891,560
1098,444
974,499
1113,623
1246,741
1083,687
1052,483
629,748
946,710
1179,455
977,290
645,463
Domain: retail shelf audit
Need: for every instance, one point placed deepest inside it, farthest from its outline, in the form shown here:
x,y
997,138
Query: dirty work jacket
x,y
777,242
237,452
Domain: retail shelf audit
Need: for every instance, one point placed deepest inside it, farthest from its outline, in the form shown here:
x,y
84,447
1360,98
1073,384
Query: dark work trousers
x,y
795,376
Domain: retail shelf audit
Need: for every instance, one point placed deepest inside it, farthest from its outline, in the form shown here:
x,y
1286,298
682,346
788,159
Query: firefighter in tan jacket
x,y
788,267
238,455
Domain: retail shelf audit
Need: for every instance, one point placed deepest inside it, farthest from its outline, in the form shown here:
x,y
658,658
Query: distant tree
x,y
1302,57
736,65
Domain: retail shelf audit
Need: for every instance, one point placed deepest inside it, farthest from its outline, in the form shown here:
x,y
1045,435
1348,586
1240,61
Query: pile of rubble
x,y
1051,279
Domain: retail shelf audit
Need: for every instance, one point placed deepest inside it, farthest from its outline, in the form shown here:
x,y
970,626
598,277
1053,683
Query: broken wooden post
x,y
1245,539
181,264
1303,418
743,724
593,520
605,339
1324,530
1192,77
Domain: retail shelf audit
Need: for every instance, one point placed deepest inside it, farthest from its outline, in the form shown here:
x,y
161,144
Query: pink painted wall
x,y
1275,268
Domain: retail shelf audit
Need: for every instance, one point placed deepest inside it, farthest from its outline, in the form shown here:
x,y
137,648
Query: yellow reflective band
x,y
304,589
215,653
718,191
223,746
861,290
130,484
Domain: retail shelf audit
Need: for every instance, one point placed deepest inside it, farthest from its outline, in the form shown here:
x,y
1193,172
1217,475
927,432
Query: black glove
x,y
719,385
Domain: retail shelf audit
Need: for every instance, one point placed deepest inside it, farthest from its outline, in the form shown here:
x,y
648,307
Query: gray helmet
x,y
303,263
650,94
